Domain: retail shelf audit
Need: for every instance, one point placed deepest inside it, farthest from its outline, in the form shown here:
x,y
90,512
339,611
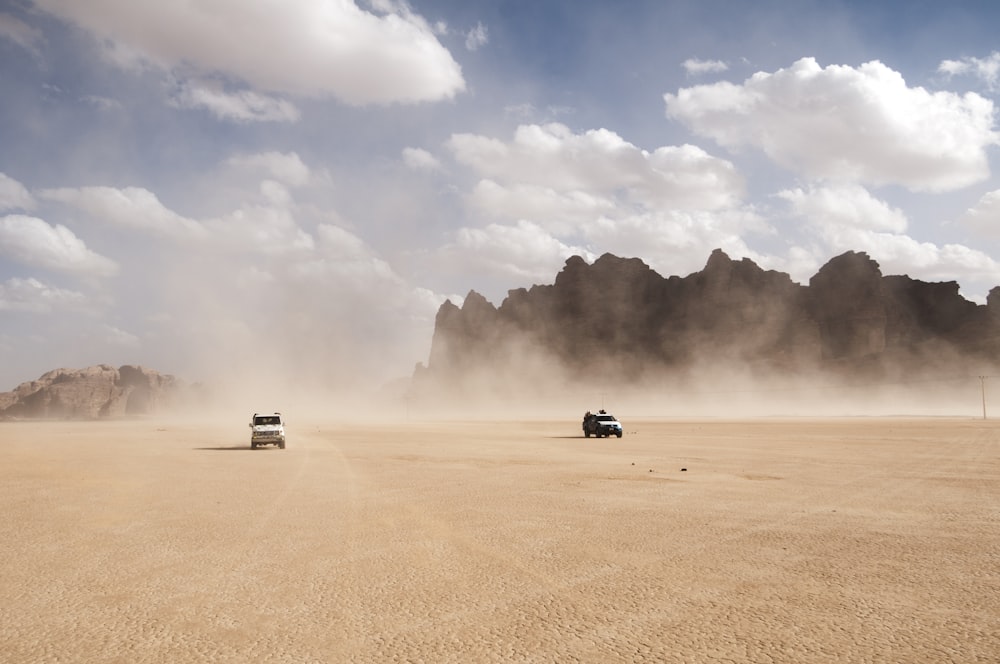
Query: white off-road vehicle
x,y
267,429
600,424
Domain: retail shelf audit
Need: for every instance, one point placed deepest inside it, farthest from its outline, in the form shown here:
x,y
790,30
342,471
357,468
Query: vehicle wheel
x,y
281,444
253,445
586,434
619,434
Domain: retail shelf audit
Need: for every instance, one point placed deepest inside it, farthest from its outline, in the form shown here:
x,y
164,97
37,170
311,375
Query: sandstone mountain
x,y
621,322
94,392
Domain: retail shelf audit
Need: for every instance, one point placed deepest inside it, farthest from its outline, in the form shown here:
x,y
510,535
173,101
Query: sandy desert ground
x,y
796,540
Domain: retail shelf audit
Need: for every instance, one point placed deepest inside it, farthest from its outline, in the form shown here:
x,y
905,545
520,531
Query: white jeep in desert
x,y
600,424
267,429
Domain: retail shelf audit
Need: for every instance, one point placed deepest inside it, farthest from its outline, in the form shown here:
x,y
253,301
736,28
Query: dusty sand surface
x,y
840,540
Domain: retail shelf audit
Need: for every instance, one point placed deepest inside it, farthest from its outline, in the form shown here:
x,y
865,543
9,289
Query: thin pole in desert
x,y
982,384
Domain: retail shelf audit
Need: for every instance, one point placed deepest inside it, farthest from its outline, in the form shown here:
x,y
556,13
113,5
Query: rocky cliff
x,y
620,320
94,392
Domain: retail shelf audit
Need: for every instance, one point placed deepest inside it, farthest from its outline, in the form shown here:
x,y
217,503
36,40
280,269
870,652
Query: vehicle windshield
x,y
267,419
605,418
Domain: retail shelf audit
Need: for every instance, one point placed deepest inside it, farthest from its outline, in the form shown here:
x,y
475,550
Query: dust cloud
x,y
523,378
313,358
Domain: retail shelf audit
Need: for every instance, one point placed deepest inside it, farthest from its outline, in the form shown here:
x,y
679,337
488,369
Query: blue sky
x,y
292,188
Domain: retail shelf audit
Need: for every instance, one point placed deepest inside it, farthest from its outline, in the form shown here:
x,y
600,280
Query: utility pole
x,y
982,384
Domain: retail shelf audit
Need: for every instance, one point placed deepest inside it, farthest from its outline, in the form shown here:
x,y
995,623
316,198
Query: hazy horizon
x,y
275,193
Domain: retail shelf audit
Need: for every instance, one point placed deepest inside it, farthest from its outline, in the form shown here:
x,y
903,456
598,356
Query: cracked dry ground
x,y
874,540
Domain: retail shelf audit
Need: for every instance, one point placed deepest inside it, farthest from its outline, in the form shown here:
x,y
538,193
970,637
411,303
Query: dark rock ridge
x,y
619,319
94,392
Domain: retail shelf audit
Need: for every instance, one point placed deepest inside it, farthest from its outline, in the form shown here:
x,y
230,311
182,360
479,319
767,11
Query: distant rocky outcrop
x,y
94,392
621,321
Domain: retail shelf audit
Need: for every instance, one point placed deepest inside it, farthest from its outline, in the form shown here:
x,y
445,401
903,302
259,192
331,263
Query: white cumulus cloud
x,y
286,167
859,124
421,160
849,218
32,241
558,211
695,66
984,216
601,162
477,37
549,193
986,69
845,205
14,195
522,251
677,241
264,229
299,47
239,106
131,207
32,296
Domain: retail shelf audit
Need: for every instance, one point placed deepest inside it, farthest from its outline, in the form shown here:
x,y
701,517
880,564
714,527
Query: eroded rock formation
x,y
618,318
94,392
